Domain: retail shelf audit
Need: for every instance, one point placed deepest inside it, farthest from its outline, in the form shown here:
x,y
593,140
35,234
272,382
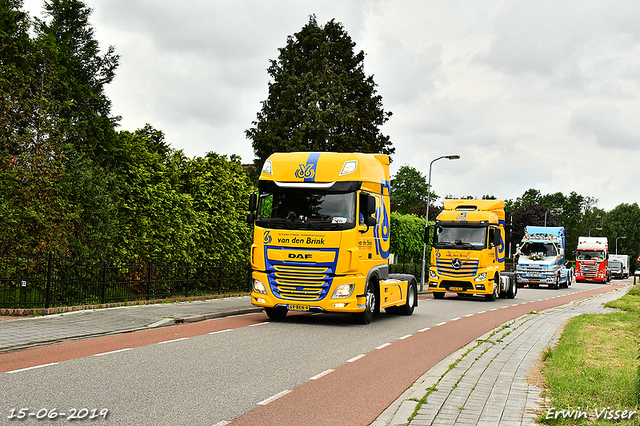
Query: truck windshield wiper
x,y
277,220
445,244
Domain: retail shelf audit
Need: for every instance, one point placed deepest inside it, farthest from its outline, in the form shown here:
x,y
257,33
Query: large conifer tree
x,y
319,98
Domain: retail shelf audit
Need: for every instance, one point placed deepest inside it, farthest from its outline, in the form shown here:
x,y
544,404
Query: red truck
x,y
592,260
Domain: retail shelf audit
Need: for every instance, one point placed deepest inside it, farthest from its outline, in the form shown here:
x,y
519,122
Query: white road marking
x,y
31,368
274,397
171,341
113,352
324,373
355,358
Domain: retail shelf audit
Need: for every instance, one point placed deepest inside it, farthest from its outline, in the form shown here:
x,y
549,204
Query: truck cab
x,y
321,237
541,258
592,258
468,251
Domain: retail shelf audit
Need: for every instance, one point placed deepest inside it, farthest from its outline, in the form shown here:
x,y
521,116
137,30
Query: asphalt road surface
x,y
247,370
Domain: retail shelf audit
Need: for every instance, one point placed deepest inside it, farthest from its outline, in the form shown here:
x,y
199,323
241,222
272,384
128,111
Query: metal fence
x,y
48,281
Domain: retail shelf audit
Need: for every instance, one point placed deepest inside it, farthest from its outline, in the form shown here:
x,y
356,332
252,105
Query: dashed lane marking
x,y
31,368
355,358
113,352
171,341
324,373
274,397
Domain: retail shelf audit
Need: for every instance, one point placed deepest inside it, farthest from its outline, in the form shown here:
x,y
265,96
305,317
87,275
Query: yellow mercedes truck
x,y
321,237
468,251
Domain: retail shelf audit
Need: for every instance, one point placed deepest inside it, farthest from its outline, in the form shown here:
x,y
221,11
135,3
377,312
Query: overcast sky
x,y
531,94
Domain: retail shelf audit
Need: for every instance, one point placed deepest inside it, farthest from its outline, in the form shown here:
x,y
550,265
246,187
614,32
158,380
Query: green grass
x,y
595,365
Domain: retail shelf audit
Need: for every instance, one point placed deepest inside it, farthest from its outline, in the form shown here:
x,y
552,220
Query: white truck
x,y
541,258
619,265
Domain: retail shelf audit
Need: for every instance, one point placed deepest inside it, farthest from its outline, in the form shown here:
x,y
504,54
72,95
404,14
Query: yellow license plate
x,y
457,289
298,307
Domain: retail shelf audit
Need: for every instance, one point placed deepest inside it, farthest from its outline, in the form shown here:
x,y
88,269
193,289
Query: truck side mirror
x,y
496,238
367,208
371,205
253,202
427,233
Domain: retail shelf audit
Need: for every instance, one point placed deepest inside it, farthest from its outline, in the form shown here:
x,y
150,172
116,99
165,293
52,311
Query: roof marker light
x,y
349,167
266,169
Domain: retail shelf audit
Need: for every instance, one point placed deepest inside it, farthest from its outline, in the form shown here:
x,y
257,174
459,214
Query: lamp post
x,y
617,243
597,229
426,220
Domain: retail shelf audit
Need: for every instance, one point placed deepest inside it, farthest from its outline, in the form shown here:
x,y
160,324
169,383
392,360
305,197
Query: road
x,y
307,369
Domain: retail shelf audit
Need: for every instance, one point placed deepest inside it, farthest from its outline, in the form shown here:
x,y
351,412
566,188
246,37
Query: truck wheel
x,y
366,316
412,299
496,283
276,313
513,290
438,294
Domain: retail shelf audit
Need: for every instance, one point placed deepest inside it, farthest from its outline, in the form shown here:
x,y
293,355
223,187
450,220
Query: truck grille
x,y
589,271
469,268
300,283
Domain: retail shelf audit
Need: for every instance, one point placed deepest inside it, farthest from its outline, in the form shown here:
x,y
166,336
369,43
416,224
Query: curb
x,y
205,317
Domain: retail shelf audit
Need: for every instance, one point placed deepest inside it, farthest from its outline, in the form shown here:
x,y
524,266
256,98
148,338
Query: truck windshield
x,y
299,208
466,237
547,249
590,255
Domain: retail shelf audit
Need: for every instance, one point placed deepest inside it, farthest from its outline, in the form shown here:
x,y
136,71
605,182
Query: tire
x,y
412,299
513,290
276,313
366,316
438,294
496,284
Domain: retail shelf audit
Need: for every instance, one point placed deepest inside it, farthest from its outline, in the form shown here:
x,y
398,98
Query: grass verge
x,y
593,374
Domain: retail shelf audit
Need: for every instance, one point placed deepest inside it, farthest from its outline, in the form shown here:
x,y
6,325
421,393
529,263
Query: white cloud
x,y
532,94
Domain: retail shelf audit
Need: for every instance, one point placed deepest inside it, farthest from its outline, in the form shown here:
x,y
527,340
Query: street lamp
x,y
597,229
617,243
426,220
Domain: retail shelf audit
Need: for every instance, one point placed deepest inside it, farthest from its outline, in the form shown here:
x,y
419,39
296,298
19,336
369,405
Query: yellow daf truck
x,y
468,251
321,237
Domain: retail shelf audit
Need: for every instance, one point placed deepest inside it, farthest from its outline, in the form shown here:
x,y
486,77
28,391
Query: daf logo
x,y
300,256
456,263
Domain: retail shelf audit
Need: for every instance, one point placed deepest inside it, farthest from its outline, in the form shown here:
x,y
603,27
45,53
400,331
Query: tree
x,y
407,236
410,192
220,191
623,221
319,98
76,126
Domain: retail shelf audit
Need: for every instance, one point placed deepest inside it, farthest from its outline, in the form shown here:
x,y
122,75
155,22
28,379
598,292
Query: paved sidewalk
x,y
487,385
21,333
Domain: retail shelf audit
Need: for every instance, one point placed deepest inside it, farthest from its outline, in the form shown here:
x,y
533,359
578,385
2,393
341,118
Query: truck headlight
x,y
342,291
433,275
481,277
259,287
